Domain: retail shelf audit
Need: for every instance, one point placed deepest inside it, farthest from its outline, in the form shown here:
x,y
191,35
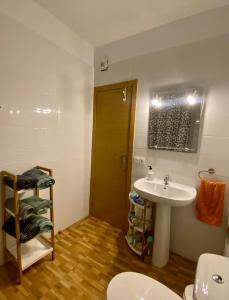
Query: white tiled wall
x,y
46,94
202,64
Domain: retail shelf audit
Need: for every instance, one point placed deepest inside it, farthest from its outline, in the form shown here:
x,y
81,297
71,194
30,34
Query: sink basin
x,y
174,194
212,278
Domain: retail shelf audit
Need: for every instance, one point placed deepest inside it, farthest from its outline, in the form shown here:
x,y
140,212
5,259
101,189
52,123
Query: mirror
x,y
174,120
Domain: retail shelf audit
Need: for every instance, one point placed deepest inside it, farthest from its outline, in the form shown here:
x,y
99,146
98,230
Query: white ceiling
x,y
104,21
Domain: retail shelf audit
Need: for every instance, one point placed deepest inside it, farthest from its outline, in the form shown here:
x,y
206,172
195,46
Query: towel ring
x,y
210,171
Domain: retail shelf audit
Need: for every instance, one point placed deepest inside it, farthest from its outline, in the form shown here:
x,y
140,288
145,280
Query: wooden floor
x,y
89,254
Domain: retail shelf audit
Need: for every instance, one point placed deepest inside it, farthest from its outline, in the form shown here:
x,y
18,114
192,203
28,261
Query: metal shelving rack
x,y
23,255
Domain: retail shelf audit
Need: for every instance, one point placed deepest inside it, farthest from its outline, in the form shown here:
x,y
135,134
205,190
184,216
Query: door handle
x,y
124,161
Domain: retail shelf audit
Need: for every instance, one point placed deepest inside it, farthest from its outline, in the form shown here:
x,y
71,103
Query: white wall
x,y
45,65
203,64
188,30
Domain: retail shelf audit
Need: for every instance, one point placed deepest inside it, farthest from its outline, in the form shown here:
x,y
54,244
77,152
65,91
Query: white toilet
x,y
188,292
136,286
211,283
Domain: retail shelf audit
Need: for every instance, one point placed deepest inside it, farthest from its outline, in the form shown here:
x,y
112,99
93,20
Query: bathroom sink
x,y
212,278
165,196
173,194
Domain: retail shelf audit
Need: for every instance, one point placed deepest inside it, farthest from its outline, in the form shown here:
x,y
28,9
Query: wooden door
x,y
114,110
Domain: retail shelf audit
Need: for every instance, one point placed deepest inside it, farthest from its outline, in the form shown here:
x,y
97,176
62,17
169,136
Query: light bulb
x,y
156,102
191,99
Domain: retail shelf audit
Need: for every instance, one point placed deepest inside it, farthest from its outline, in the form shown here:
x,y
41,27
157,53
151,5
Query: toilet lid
x,y
135,286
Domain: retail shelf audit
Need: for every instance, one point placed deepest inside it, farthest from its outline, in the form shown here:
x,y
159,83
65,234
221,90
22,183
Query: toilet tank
x,y
212,278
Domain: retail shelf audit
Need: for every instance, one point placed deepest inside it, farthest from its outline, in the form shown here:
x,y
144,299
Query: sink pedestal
x,y
161,235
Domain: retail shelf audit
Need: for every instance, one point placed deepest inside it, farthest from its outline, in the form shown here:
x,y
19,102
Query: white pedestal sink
x,y
174,194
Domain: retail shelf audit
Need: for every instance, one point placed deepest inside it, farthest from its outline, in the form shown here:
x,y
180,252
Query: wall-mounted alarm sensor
x,y
104,64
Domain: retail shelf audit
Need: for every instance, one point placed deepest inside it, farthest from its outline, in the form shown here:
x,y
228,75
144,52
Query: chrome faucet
x,y
166,180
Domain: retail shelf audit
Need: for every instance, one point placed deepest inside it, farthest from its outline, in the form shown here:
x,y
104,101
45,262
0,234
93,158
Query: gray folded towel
x,y
23,182
44,180
40,206
28,230
44,224
26,210
29,206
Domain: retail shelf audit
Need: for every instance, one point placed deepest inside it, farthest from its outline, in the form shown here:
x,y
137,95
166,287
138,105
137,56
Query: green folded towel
x,y
39,205
44,224
26,209
29,206
44,180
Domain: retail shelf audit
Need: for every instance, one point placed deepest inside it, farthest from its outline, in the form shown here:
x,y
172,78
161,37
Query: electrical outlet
x,y
140,160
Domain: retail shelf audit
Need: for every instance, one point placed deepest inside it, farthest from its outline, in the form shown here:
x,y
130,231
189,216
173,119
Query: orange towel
x,y
210,202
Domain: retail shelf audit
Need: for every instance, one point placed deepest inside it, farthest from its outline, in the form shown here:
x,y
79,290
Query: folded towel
x,y
210,202
44,224
26,210
43,180
23,182
39,205
29,206
28,230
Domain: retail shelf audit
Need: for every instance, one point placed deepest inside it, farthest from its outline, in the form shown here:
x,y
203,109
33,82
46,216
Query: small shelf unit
x,y
23,255
134,249
143,224
31,252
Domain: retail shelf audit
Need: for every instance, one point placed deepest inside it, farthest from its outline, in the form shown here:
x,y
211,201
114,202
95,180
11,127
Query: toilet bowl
x,y
211,283
135,286
188,292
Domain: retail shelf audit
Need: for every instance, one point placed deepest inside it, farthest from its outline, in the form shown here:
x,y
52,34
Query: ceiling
x,y
104,21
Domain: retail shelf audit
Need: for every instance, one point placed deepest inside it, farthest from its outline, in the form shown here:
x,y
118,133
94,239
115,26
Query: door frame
x,y
124,84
